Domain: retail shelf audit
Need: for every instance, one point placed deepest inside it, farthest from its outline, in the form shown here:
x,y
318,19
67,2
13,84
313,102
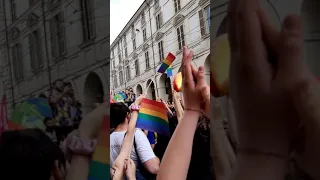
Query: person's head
x,y
127,91
48,122
58,84
28,154
119,114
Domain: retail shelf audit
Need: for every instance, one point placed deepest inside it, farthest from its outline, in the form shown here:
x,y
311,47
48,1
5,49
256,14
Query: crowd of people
x,y
62,150
66,111
128,96
274,133
274,129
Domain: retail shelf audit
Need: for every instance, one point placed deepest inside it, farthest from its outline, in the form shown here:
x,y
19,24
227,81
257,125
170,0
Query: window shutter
x,y
179,38
182,35
62,34
202,28
21,63
31,51
53,38
161,22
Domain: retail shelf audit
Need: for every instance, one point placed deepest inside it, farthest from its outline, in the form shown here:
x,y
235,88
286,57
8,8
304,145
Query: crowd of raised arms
x,y
273,132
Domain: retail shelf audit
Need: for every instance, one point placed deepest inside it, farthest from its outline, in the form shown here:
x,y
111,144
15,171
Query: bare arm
x,y
126,145
152,165
176,160
178,107
79,167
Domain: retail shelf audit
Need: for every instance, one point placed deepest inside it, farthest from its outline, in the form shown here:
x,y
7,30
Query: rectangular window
x,y
35,50
144,34
136,64
58,46
156,4
133,34
159,21
160,48
114,63
128,72
146,56
17,62
125,52
115,81
87,20
121,77
120,59
204,17
143,19
177,6
13,10
134,44
180,35
124,40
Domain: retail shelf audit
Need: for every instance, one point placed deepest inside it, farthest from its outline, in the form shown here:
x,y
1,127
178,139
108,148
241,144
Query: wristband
x,y
76,145
134,107
195,110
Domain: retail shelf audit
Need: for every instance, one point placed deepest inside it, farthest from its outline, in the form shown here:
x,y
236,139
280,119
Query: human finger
x,y
187,68
269,33
253,61
201,80
290,58
184,56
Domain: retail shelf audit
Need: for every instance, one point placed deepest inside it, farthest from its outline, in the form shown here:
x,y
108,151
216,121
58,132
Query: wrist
x,y
131,177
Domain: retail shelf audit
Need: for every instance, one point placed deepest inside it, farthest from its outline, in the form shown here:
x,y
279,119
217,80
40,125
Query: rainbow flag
x,y
100,163
169,71
166,63
153,117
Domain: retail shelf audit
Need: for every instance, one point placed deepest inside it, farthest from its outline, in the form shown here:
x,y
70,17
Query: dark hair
x,y
27,154
118,113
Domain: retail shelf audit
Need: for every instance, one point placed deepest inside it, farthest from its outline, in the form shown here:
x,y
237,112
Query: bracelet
x,y
255,152
195,110
75,145
134,107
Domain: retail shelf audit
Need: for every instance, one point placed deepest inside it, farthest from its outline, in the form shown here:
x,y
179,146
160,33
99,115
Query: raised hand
x,y
260,90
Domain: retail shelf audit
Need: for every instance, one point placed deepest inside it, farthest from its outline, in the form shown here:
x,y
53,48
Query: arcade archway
x,y
139,90
165,90
151,93
93,92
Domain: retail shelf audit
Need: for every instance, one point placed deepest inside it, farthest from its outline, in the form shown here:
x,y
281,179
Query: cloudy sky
x,y
121,12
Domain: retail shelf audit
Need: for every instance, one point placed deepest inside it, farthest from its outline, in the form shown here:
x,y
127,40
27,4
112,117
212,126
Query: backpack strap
x,y
135,149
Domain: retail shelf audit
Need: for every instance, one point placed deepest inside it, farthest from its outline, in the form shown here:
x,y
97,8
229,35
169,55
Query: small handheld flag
x,y
169,71
153,117
166,63
100,163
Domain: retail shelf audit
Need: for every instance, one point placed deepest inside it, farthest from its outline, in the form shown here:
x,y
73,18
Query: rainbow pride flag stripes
x,y
100,163
153,117
166,63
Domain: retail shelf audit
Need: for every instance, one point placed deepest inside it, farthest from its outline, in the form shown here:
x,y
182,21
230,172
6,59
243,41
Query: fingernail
x,y
201,68
292,24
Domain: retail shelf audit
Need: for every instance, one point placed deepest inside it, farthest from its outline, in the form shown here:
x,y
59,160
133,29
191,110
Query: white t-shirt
x,y
144,149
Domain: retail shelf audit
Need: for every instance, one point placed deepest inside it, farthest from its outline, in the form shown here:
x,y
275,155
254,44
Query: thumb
x,y
201,81
205,92
291,43
307,100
